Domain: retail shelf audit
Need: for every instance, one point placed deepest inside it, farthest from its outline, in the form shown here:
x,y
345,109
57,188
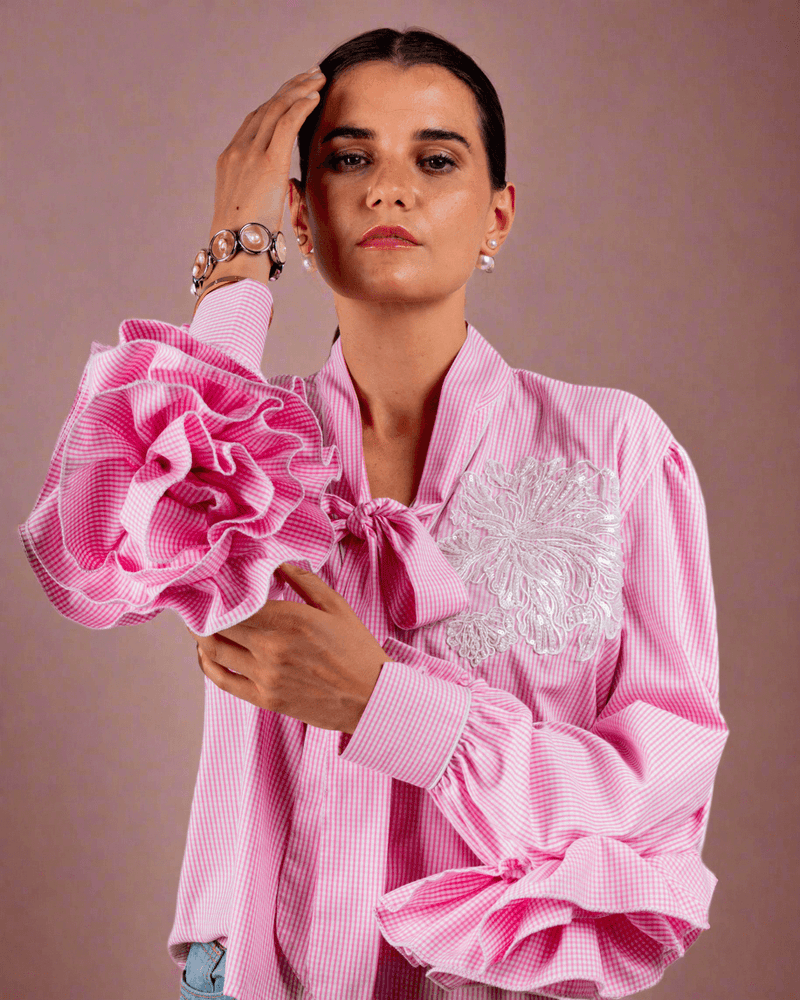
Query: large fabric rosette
x,y
180,479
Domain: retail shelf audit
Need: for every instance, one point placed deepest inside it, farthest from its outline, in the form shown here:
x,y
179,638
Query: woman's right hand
x,y
253,169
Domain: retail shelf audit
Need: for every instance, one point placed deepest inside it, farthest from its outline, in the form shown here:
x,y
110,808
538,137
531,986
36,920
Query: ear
x,y
501,214
298,210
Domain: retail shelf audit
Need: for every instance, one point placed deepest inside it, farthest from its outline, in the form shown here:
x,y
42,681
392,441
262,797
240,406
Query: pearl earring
x,y
486,262
308,263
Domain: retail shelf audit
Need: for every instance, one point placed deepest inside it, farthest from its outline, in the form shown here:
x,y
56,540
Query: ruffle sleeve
x,y
592,882
181,478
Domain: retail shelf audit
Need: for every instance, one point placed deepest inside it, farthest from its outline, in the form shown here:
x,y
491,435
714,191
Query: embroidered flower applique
x,y
546,540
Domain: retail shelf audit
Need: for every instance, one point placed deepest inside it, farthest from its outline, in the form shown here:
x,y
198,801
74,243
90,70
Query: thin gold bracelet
x,y
228,279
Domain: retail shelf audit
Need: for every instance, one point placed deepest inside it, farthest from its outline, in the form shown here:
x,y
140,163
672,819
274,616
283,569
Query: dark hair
x,y
413,47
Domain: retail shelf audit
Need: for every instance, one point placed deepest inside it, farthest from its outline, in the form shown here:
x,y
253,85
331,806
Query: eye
x,y
337,161
443,159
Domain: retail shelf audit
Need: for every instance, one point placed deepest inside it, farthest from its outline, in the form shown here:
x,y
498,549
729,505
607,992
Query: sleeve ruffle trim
x,y
181,479
572,927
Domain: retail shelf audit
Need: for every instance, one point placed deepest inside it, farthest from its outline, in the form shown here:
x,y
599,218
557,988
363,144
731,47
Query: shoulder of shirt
x,y
602,402
614,423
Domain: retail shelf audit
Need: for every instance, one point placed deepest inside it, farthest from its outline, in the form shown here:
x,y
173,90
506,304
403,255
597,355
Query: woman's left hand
x,y
316,662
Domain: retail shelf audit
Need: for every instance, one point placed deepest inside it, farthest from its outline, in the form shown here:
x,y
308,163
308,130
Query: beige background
x,y
654,146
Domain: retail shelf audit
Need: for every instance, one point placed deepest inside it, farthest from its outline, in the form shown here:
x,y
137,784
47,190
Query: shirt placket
x,y
335,865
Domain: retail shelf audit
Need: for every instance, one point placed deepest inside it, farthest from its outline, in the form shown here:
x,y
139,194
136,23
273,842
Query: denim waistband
x,y
204,975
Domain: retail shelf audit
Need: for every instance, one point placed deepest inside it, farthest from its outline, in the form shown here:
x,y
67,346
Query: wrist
x,y
257,253
243,265
235,223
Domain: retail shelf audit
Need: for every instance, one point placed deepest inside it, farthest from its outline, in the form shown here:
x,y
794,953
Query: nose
x,y
391,183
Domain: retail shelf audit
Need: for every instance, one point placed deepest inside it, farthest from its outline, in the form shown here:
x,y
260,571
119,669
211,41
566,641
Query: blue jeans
x,y
204,974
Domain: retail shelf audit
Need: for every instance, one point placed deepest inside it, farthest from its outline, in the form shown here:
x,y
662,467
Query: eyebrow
x,y
423,135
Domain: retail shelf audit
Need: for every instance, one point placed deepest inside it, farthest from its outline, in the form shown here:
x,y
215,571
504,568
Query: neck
x,y
398,355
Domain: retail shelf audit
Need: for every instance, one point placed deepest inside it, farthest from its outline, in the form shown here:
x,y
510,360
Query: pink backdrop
x,y
654,147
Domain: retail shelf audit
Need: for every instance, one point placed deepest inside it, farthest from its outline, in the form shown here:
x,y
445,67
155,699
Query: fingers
x,y
279,125
312,588
217,653
272,617
283,90
230,681
280,137
262,120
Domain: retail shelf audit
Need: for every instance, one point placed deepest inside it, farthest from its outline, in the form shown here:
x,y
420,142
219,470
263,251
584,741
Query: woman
x,y
474,754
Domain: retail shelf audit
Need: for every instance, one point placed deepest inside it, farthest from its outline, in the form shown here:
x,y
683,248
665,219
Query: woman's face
x,y
436,188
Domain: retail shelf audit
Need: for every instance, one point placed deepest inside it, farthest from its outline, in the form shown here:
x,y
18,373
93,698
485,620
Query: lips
x,y
392,233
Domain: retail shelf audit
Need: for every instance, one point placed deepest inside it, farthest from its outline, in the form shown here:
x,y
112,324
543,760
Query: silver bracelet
x,y
253,238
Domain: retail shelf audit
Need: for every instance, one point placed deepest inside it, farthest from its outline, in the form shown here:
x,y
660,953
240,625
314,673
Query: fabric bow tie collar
x,y
419,585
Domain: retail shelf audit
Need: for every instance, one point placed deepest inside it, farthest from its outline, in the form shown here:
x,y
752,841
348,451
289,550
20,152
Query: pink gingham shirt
x,y
522,807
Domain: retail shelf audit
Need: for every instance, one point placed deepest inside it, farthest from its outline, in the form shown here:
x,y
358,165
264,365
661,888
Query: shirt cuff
x,y
235,318
411,725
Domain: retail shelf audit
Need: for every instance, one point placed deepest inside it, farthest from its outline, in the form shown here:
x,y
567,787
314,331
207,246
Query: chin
x,y
387,288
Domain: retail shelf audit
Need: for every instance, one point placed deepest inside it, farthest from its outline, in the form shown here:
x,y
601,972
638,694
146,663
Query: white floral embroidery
x,y
476,635
546,540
